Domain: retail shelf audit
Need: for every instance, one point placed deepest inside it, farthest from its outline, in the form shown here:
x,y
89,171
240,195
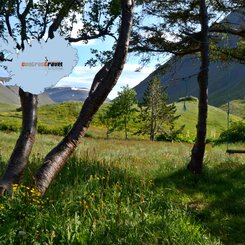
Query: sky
x,y
82,76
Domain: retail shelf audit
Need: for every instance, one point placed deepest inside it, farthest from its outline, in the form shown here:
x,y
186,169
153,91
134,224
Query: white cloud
x,y
83,76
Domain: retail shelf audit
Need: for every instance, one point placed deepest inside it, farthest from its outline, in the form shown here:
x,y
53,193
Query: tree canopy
x,y
173,27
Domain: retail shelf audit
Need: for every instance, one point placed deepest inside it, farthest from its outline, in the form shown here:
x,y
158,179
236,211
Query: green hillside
x,y
52,119
237,107
56,118
217,119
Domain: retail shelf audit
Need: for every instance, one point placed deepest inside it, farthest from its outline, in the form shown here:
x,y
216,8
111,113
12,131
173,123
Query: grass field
x,y
128,192
55,118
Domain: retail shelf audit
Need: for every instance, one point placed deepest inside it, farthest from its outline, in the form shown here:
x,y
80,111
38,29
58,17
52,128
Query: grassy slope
x,y
237,107
217,119
129,192
60,115
53,115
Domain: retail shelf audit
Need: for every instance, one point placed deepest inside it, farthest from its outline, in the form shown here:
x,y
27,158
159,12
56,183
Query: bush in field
x,y
236,133
13,126
171,135
45,129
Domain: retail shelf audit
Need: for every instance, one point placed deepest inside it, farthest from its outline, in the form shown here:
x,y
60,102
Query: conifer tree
x,y
156,115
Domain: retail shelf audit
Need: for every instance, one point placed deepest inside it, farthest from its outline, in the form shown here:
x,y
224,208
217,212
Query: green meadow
x,y
125,191
56,119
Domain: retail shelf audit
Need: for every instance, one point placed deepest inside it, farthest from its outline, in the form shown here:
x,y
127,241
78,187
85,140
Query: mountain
x,y
226,79
61,94
10,95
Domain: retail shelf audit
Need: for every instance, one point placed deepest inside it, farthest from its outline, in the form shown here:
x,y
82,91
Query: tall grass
x,y
130,192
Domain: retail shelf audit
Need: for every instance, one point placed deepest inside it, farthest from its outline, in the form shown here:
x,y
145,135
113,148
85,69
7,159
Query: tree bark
x,y
103,83
198,150
23,147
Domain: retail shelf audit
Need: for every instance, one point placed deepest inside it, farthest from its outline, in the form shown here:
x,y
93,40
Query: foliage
x,y
120,113
235,133
156,116
188,98
177,29
33,19
107,117
58,118
10,125
171,135
125,107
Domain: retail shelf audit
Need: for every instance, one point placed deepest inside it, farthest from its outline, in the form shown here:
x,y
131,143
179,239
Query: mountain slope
x,y
8,96
226,79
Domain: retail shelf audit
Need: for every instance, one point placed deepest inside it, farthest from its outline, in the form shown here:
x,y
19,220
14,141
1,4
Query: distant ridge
x,y
61,94
226,79
10,95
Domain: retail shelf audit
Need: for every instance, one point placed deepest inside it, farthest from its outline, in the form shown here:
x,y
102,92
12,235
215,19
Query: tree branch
x,y
60,16
227,30
8,23
102,32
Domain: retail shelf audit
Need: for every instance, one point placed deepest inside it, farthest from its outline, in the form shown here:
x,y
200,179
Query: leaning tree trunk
x,y
103,83
23,147
196,163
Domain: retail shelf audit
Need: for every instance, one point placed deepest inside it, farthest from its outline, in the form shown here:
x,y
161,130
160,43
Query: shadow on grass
x,y
103,204
216,198
133,212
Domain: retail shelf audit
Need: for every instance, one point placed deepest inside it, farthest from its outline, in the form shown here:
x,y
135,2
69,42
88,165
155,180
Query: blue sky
x,y
82,76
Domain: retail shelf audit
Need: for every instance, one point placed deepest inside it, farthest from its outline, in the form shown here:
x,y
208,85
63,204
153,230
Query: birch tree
x,y
50,21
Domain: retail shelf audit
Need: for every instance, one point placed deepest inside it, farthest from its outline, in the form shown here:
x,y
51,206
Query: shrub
x,y
66,129
171,135
236,133
13,126
45,129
